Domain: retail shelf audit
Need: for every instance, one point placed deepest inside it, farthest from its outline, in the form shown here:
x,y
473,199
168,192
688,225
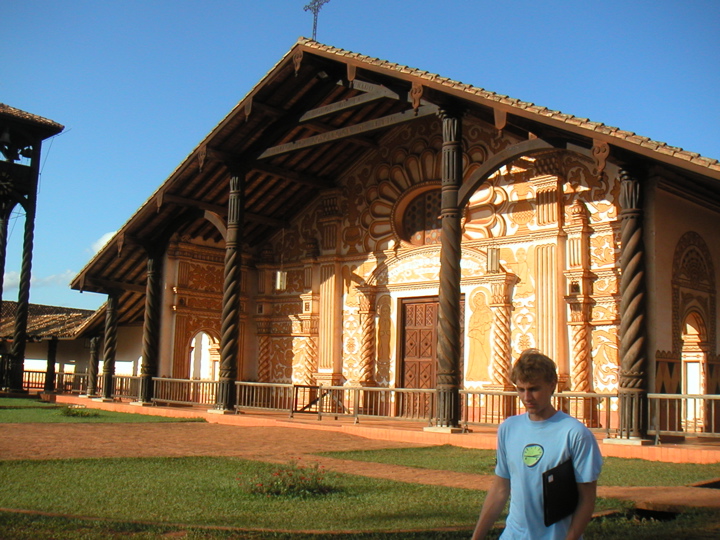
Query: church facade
x,y
354,222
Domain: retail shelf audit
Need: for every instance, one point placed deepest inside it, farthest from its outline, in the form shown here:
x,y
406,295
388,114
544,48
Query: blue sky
x,y
139,83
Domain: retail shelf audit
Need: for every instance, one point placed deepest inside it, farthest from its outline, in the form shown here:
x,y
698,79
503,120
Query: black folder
x,y
560,493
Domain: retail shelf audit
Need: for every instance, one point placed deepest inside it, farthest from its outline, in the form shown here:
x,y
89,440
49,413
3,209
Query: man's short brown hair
x,y
532,366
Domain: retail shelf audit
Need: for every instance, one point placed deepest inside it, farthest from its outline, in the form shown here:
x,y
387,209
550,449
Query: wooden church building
x,y
354,222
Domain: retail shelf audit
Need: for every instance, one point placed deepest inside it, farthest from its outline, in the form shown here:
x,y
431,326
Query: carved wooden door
x,y
419,350
419,356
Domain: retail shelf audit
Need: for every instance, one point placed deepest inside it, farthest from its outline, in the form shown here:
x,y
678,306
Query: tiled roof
x,y
22,116
44,322
516,105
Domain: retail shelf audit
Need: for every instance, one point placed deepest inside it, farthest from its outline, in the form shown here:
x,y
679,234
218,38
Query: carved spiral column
x,y
448,369
366,369
633,358
111,324
151,326
230,329
23,305
579,279
580,374
92,369
502,345
501,306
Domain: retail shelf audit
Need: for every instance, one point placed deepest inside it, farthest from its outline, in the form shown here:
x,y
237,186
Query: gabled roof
x,y
44,322
312,116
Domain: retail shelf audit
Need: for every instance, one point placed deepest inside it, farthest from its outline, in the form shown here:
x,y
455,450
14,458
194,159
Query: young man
x,y
532,443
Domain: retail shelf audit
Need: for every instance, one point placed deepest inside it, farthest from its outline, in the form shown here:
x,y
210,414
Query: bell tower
x,y
21,136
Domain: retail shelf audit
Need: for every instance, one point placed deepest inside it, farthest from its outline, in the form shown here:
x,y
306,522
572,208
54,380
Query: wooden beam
x,y
112,285
192,203
292,176
345,105
259,218
221,210
350,131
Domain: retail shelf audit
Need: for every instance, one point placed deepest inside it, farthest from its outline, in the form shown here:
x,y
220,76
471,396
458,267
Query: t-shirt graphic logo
x,y
532,454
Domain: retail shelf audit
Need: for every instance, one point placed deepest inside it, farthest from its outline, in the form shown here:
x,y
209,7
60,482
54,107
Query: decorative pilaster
x,y
366,369
230,329
111,325
151,325
263,332
448,369
328,330
92,369
309,328
633,356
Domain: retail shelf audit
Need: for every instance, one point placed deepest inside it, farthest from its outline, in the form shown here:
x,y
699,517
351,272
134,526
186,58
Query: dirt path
x,y
272,444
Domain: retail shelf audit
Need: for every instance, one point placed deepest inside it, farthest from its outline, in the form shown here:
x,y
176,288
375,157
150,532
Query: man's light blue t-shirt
x,y
526,449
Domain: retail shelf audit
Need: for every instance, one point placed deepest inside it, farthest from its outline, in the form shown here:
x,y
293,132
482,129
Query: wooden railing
x,y
684,414
488,408
264,396
33,380
184,391
667,414
356,402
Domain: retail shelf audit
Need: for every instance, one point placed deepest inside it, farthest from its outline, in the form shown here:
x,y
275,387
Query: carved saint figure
x,y
479,335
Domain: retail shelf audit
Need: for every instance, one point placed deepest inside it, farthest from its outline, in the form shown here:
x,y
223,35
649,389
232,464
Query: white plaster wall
x,y
72,356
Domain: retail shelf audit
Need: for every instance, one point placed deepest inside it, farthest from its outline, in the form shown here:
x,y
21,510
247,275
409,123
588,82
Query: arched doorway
x,y
204,357
694,371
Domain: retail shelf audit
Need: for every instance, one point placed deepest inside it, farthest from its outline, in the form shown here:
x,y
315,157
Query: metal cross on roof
x,y
315,6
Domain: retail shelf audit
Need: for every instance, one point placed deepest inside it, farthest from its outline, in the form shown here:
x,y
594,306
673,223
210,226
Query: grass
x,y
207,498
206,491
616,471
30,410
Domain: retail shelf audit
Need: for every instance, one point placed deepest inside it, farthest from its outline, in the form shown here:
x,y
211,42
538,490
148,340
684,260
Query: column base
x,y
632,441
220,411
443,429
103,399
141,403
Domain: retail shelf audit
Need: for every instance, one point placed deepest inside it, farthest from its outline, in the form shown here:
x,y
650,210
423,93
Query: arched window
x,y
421,221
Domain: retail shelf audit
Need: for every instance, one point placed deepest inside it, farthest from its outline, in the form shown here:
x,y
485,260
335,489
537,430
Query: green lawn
x,y
210,491
208,497
616,471
30,410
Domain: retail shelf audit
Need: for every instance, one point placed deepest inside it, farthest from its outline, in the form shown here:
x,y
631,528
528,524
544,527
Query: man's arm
x,y
584,511
493,506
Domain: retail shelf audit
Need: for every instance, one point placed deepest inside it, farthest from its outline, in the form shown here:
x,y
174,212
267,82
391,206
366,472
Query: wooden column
x,y
49,385
448,368
17,356
111,326
5,209
92,369
151,324
230,327
633,342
